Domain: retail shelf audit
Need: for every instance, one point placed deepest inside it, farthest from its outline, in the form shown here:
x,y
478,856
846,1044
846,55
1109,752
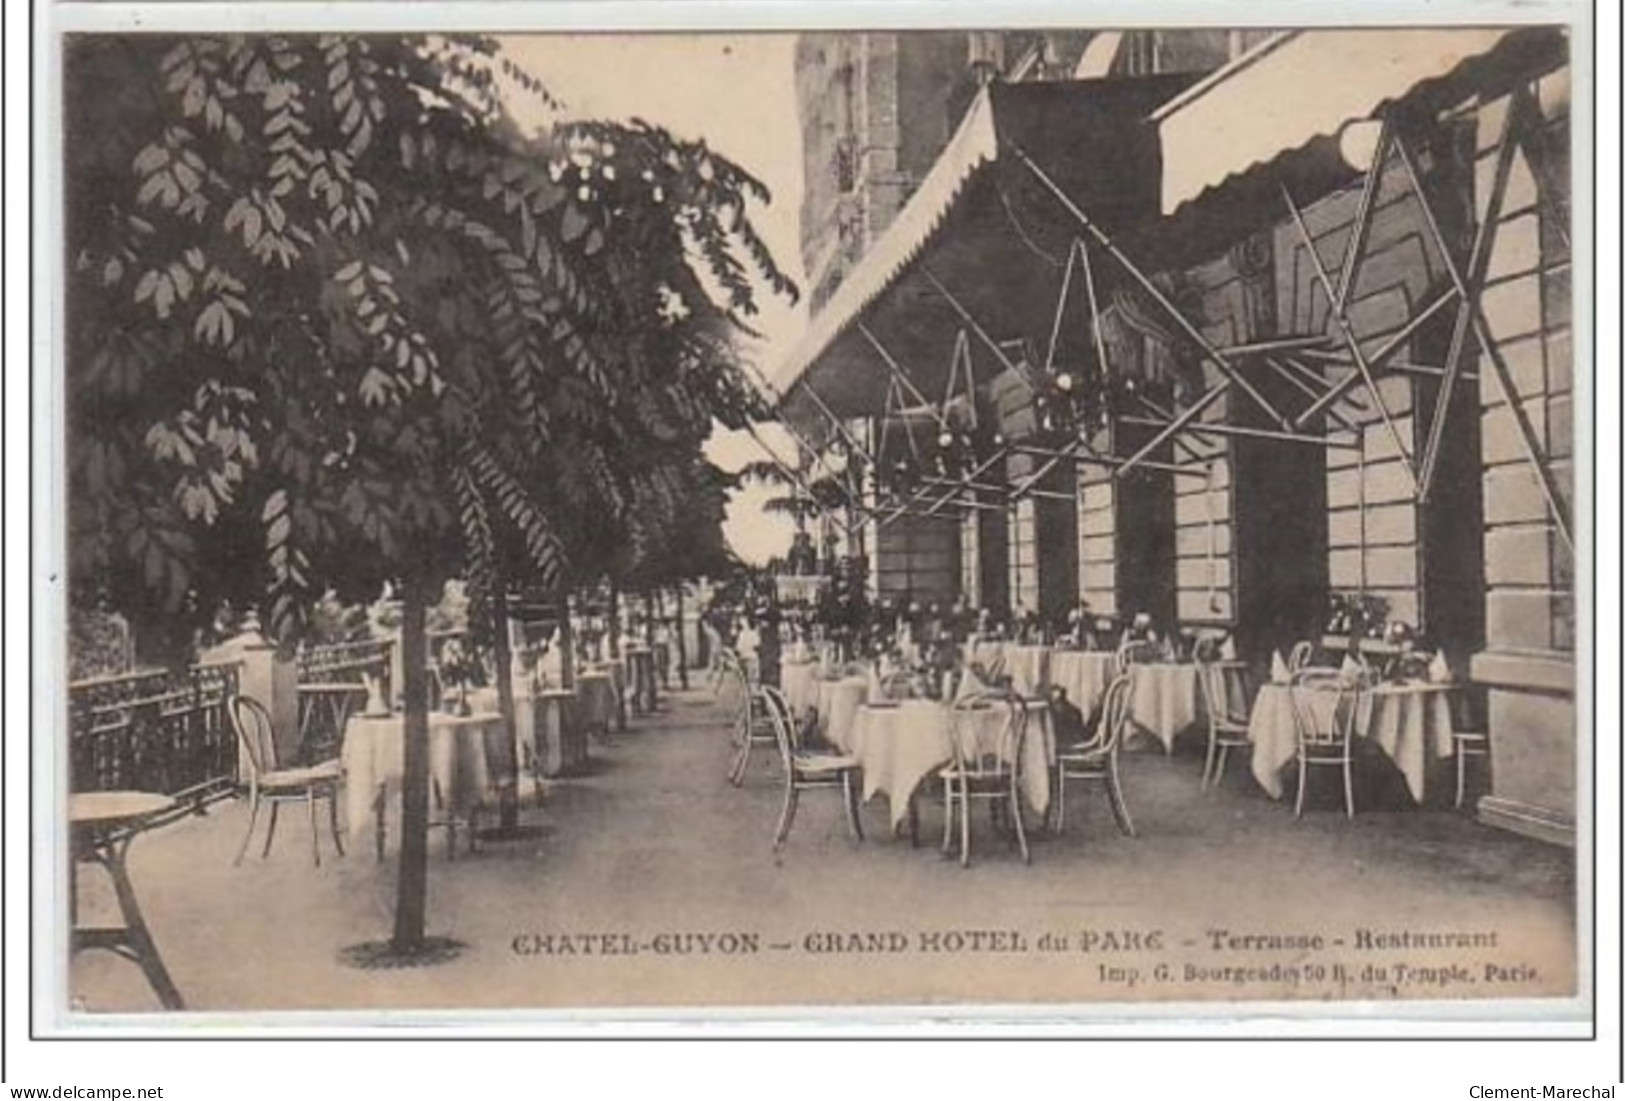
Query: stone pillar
x,y
271,680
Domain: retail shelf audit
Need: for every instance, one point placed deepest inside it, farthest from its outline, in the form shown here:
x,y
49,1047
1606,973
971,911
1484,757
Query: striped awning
x,y
1294,88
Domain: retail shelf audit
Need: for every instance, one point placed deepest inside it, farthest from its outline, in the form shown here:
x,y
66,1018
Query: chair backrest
x,y
897,685
1114,711
785,733
254,734
1301,654
1215,698
1324,705
1136,652
977,758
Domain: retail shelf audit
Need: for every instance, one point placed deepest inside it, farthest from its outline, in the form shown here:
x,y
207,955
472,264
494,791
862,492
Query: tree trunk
x,y
567,645
614,627
412,884
682,641
508,797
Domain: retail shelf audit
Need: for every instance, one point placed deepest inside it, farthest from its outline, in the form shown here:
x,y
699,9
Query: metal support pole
x,y
1193,411
1467,289
1349,337
901,375
1230,370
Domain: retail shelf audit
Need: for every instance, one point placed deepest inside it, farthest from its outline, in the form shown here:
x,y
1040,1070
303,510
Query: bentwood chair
x,y
1325,707
982,770
807,770
1136,652
752,724
273,786
1226,723
1096,760
1299,657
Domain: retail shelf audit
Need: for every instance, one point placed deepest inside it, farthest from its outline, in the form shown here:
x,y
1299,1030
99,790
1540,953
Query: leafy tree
x,y
334,321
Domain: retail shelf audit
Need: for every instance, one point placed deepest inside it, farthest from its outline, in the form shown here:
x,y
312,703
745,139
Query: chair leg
x,y
741,762
947,817
333,820
315,827
1114,787
1060,803
786,816
1303,778
1021,829
1461,777
1224,761
1348,786
1213,752
851,799
380,825
270,831
248,835
964,823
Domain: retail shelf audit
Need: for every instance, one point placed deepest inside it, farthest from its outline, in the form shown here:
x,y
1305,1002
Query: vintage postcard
x,y
1066,521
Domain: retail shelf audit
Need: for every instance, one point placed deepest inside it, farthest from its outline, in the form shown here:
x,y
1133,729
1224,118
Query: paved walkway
x,y
654,849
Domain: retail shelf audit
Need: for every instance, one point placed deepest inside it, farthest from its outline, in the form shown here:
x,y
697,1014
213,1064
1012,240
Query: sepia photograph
x,y
1080,521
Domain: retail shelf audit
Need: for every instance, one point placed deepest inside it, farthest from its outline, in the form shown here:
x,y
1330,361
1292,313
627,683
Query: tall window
x,y
1024,555
970,557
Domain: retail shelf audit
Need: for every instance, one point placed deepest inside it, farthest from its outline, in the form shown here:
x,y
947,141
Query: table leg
x,y
135,934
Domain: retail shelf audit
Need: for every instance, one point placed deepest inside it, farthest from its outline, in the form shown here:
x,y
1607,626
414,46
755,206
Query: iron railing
x,y
165,731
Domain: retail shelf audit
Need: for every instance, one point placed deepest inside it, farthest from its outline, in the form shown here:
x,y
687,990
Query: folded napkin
x,y
1278,670
1351,670
1227,651
376,704
969,685
1439,670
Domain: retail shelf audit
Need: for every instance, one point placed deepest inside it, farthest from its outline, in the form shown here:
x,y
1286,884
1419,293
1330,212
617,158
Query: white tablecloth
x,y
1405,721
799,680
374,756
1084,674
1029,668
597,699
900,746
1165,700
838,702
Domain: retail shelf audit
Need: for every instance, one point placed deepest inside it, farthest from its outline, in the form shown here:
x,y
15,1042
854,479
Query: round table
x,y
1165,700
799,681
597,700
1029,669
561,736
1406,721
102,825
838,702
899,745
640,663
461,779
1083,674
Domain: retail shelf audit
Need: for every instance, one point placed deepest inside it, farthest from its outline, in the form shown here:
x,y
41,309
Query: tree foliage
x,y
333,319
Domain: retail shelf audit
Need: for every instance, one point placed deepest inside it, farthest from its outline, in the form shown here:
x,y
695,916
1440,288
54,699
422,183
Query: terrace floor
x,y
653,843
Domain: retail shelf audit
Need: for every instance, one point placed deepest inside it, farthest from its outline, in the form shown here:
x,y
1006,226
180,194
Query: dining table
x,y
1165,699
900,744
798,678
1408,722
102,825
839,698
1083,675
462,749
597,700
